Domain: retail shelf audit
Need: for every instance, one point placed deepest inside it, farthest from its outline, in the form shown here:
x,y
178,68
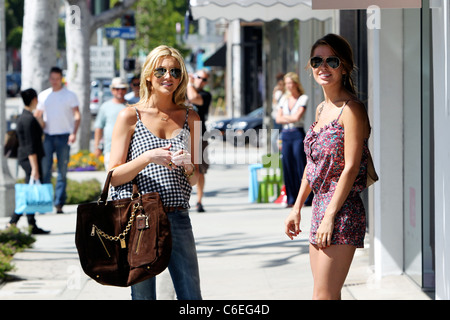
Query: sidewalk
x,y
242,249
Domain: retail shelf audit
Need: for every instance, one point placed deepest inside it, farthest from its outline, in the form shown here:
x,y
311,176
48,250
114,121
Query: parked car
x,y
98,97
242,130
13,83
218,126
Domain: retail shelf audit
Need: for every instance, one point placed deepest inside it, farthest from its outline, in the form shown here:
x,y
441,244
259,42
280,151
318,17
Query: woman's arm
x,y
34,166
292,118
292,222
196,148
123,131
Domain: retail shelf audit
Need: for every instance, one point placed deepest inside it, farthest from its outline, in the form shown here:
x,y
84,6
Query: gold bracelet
x,y
191,174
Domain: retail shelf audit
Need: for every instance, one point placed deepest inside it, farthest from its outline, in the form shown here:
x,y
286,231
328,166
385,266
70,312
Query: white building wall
x,y
234,67
441,58
386,105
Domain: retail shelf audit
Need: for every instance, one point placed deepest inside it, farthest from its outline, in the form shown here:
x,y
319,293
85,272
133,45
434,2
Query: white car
x,y
97,97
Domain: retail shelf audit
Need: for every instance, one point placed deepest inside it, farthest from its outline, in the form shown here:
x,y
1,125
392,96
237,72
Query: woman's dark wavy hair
x,y
342,49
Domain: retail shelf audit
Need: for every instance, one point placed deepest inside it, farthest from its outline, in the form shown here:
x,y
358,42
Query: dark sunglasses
x,y
198,77
333,62
161,72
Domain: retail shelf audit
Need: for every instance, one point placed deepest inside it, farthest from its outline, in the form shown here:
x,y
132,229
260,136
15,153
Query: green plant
x,y
5,263
15,237
82,192
12,240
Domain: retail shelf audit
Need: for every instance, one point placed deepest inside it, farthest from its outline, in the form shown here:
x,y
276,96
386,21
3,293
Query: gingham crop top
x,y
172,186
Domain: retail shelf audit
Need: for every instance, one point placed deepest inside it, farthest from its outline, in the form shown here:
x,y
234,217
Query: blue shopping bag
x,y
34,197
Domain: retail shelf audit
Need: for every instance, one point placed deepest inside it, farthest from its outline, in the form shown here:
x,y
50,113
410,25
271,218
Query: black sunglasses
x,y
332,61
198,77
161,72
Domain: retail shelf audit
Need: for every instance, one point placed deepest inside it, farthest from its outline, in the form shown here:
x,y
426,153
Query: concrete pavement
x,y
242,250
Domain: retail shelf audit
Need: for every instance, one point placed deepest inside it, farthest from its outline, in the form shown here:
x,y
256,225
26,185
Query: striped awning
x,y
364,4
257,10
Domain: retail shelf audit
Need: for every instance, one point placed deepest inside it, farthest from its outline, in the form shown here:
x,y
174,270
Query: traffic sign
x,y
102,62
127,33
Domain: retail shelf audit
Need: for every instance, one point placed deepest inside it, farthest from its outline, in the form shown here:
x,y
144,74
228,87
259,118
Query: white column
x,y
386,105
6,181
441,55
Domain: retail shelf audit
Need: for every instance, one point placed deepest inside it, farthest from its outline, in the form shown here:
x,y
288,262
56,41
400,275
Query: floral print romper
x,y
325,162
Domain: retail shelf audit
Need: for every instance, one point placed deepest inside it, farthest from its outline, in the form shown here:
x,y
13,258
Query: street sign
x,y
127,33
102,62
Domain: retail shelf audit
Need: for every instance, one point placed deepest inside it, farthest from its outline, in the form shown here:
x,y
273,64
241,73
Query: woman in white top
x,y
291,111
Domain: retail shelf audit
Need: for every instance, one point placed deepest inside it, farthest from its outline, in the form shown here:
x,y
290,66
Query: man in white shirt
x,y
59,108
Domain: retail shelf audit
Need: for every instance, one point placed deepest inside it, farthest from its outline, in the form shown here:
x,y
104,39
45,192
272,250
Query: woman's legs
x,y
330,267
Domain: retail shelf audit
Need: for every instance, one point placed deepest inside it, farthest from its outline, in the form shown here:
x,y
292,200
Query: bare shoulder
x,y
128,115
355,115
355,109
126,119
192,116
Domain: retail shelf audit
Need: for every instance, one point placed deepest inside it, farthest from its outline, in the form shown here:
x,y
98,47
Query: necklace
x,y
167,117
163,118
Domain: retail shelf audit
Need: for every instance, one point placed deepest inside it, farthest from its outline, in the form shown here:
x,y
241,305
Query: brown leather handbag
x,y
372,175
122,242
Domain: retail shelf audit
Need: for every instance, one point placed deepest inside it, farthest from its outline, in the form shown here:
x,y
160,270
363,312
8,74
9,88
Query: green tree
x,y
14,22
156,24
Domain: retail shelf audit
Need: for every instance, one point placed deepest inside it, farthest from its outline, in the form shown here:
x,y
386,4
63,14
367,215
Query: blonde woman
x,y
291,111
152,142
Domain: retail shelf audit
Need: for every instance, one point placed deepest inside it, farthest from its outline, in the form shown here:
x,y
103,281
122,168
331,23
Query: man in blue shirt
x,y
106,118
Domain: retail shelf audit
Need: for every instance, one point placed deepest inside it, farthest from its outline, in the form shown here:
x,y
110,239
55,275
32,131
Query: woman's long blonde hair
x,y
151,63
294,77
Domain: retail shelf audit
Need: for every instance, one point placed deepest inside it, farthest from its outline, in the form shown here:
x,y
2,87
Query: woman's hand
x,y
182,158
35,175
324,232
161,156
292,224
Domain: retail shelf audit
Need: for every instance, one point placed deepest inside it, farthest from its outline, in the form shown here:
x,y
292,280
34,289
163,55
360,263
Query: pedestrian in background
x,y
132,97
106,118
201,99
30,151
152,142
291,111
336,146
59,108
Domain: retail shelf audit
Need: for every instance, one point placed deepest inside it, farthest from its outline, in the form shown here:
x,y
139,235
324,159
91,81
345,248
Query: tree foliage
x,y
14,21
156,24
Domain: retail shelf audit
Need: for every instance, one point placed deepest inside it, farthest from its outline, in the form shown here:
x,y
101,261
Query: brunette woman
x,y
337,153
30,151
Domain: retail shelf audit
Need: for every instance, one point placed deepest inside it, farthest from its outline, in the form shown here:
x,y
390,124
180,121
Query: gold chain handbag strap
x,y
121,236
